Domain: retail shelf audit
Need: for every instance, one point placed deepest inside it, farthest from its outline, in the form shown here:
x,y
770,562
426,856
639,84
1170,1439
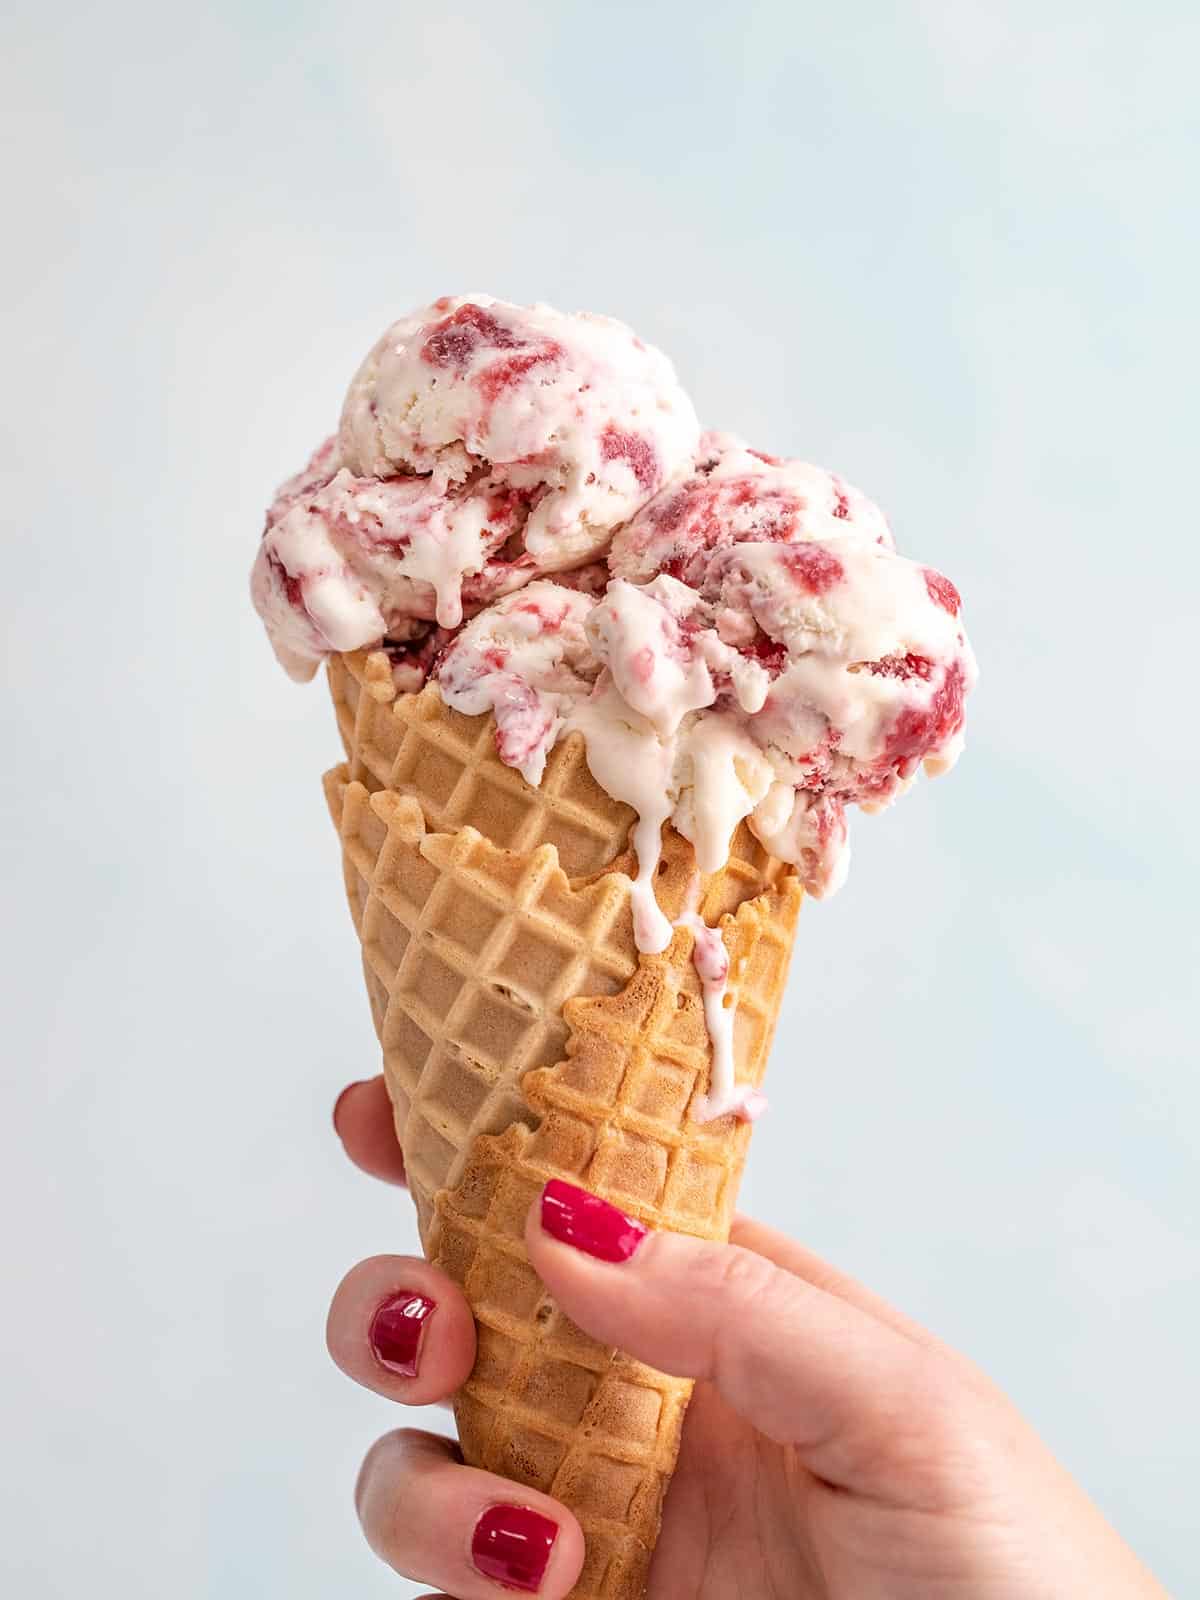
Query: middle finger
x,y
402,1328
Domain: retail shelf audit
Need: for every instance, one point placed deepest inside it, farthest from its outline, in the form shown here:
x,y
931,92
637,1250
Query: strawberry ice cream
x,y
527,660
481,444
733,634
348,561
792,681
736,495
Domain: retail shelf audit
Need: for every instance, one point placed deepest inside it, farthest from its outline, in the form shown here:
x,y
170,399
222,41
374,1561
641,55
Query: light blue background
x,y
947,247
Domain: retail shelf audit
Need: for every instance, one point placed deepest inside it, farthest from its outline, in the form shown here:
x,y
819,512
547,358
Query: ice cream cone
x,y
624,625
524,1039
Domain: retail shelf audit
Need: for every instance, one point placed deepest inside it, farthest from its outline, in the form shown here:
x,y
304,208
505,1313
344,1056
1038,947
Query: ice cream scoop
x,y
348,561
870,666
482,444
784,682
528,660
736,495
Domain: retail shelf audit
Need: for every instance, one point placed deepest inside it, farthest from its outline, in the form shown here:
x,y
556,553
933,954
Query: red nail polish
x,y
589,1223
512,1544
397,1329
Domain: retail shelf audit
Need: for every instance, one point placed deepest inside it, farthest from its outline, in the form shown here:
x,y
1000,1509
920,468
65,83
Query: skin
x,y
834,1450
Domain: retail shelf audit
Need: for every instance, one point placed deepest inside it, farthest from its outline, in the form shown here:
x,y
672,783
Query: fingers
x,y
402,1328
472,1534
365,1123
855,1396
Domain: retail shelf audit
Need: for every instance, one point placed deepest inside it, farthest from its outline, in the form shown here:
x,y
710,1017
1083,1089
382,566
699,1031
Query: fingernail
x,y
575,1217
337,1104
512,1545
397,1329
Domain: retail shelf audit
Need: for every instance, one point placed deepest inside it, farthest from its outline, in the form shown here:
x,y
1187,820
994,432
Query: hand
x,y
833,1450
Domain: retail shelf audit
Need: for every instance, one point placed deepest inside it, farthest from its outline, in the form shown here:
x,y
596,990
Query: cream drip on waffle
x,y
711,960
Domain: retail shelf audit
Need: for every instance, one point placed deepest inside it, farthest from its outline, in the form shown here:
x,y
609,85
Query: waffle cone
x,y
524,1039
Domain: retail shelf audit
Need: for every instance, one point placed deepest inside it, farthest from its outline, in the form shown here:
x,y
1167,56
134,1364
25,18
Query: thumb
x,y
862,1404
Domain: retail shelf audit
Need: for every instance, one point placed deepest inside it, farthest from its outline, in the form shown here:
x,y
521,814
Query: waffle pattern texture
x,y
524,1039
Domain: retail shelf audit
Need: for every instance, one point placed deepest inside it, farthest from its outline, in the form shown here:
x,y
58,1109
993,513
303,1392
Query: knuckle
x,y
741,1276
743,1291
736,1282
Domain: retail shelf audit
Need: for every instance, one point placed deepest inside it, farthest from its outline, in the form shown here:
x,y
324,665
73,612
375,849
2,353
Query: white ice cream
x,y
481,444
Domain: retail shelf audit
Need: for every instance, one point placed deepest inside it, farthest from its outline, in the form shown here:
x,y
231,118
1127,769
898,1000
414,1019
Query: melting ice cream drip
x,y
627,775
711,959
636,769
651,930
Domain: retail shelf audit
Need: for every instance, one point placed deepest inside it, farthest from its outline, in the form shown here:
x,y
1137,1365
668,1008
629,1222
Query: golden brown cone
x,y
524,1038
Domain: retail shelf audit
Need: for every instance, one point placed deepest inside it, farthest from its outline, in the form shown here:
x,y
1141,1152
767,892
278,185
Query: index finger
x,y
806,1368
